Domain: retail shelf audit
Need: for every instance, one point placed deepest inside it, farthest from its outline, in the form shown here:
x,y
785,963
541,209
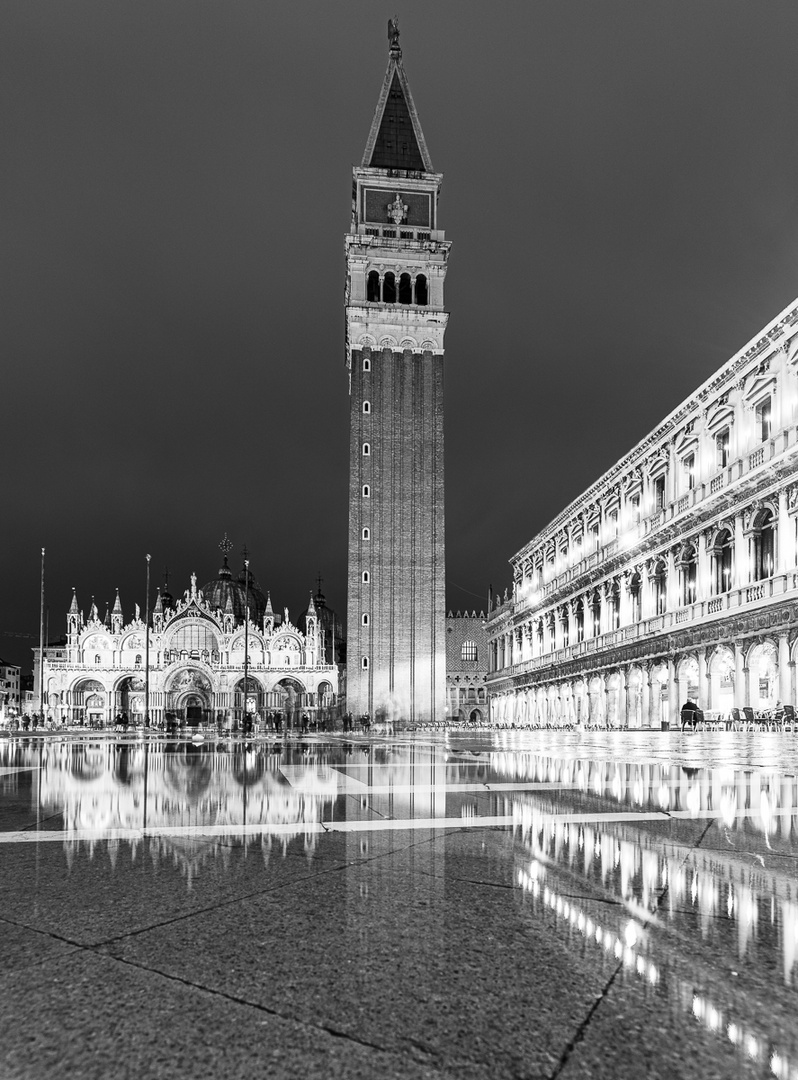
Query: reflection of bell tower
x,y
395,266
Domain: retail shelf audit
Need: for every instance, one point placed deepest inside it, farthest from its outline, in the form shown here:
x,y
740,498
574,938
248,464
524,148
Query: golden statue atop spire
x,y
393,36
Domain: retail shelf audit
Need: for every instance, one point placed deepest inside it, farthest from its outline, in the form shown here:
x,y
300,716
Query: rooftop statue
x,y
393,32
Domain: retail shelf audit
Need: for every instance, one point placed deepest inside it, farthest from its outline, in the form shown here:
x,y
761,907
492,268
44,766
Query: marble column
x,y
623,718
785,680
785,537
704,569
740,688
645,689
673,694
703,682
740,572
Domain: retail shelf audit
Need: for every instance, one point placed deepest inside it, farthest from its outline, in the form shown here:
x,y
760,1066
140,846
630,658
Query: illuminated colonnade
x,y
673,575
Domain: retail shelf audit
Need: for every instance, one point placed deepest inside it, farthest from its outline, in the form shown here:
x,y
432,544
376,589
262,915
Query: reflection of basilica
x,y
194,656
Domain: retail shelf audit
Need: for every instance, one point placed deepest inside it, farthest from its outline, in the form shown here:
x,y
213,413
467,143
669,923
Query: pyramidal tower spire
x,y
396,140
396,258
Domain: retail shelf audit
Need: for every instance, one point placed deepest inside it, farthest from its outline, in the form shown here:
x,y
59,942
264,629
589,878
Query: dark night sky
x,y
620,189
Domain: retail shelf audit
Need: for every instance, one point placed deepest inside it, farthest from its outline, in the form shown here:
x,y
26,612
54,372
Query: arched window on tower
x,y
366,534
405,289
366,449
366,406
389,288
366,491
367,363
421,290
373,287
364,619
364,577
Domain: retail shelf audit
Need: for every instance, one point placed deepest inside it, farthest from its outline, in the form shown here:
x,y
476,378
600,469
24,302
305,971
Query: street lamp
x,y
41,645
246,642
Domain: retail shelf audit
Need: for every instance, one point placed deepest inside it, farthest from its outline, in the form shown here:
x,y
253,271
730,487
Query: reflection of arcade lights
x,y
624,949
531,881
771,807
643,872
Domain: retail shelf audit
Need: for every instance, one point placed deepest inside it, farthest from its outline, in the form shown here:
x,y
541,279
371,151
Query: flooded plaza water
x,y
497,904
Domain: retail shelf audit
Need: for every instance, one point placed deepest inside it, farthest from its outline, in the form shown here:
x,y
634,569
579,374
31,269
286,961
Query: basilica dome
x,y
224,589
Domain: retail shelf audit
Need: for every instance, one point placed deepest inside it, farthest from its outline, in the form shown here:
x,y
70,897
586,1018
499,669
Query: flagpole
x,y
246,640
41,644
147,650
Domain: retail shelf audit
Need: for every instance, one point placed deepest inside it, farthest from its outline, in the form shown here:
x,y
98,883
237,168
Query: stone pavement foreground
x,y
509,904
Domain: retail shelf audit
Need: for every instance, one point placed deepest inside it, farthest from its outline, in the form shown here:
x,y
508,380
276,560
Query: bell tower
x,y
396,257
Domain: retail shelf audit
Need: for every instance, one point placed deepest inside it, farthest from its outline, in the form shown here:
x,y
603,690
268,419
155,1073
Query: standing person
x,y
689,714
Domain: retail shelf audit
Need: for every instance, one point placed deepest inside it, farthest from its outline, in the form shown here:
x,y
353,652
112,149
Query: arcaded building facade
x,y
396,257
675,575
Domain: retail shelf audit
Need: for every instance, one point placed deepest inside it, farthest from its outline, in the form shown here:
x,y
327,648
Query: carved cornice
x,y
741,630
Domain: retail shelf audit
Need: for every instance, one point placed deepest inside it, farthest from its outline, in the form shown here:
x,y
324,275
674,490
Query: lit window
x,y
468,650
763,419
366,491
659,492
722,448
689,471
364,619
366,534
366,449
634,507
365,577
366,406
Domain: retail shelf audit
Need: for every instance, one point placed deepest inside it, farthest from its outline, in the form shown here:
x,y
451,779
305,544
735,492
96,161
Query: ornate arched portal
x,y
189,696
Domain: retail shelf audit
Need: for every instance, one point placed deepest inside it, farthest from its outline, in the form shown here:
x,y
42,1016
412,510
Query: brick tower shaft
x,y
395,322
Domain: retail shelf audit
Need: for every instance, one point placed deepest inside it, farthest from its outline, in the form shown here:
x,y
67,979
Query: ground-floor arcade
x,y
194,694
621,691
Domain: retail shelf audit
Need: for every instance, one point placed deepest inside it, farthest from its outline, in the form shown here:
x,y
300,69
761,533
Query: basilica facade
x,y
189,665
675,575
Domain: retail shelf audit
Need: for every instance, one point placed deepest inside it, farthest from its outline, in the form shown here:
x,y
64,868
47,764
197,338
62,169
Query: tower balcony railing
x,y
732,602
399,234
